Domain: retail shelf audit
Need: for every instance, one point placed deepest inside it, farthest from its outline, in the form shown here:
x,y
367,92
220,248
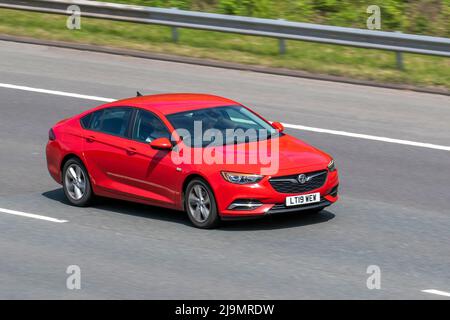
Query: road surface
x,y
394,210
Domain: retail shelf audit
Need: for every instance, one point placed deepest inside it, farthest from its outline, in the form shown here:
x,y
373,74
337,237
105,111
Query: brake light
x,y
51,135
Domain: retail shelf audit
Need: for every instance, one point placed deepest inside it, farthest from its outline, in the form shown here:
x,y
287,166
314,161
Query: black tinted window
x,y
85,121
95,120
113,121
149,127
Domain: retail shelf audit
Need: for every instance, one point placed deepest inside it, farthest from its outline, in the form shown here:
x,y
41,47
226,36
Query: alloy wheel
x,y
199,203
75,181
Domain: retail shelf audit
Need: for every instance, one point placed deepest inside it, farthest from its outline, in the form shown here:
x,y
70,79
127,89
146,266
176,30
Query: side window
x,y
86,120
111,120
148,127
96,120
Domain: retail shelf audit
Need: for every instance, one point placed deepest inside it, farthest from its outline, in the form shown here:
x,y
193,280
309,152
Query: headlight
x,y
331,166
241,178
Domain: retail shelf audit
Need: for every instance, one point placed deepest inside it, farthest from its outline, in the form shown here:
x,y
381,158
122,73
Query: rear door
x,y
105,146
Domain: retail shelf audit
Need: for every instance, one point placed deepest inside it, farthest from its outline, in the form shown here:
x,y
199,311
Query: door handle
x,y
90,139
131,151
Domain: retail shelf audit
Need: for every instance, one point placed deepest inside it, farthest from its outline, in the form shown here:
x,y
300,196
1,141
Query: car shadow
x,y
125,207
278,221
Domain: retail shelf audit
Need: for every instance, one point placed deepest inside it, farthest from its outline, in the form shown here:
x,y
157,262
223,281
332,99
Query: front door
x,y
151,173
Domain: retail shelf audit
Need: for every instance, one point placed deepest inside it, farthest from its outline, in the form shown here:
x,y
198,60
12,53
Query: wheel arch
x,y
90,187
187,180
66,158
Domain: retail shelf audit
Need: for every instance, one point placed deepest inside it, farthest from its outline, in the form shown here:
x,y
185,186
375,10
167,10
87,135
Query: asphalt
x,y
393,212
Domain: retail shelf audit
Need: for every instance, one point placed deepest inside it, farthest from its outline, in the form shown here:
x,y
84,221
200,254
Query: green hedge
x,y
431,17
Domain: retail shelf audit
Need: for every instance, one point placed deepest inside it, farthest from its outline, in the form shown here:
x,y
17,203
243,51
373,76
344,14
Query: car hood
x,y
295,153
290,156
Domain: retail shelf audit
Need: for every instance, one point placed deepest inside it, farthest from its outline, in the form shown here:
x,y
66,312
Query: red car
x,y
207,155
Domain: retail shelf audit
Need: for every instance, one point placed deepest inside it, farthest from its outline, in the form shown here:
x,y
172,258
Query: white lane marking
x,y
369,137
287,125
438,292
54,92
31,215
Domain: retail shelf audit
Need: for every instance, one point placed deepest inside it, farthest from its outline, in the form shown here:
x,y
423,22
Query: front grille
x,y
290,184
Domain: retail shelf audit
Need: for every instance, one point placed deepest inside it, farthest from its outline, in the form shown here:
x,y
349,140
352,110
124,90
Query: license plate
x,y
303,199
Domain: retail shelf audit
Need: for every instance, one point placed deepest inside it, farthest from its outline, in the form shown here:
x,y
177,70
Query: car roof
x,y
174,102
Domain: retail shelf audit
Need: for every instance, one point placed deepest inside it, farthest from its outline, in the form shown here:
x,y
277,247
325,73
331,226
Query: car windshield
x,y
220,126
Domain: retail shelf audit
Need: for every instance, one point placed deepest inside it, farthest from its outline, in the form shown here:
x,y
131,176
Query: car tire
x,y
76,183
200,204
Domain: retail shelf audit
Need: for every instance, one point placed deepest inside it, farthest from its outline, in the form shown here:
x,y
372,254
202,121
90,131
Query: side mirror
x,y
161,144
278,126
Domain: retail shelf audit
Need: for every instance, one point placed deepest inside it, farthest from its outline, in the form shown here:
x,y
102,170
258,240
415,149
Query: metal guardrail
x,y
280,29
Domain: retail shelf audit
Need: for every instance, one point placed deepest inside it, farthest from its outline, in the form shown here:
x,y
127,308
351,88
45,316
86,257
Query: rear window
x,y
86,120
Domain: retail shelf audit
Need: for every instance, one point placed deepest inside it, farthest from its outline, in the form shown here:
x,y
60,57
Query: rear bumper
x,y
53,155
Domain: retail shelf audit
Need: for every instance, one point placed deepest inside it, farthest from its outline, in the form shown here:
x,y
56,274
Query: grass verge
x,y
376,65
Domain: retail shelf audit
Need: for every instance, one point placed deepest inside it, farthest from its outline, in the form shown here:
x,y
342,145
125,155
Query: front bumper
x,y
282,208
271,201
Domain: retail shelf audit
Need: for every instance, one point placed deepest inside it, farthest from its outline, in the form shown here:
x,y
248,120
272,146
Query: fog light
x,y
245,205
334,191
